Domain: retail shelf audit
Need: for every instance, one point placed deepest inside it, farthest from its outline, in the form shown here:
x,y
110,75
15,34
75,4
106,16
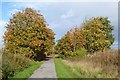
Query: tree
x,y
79,40
97,33
73,40
27,34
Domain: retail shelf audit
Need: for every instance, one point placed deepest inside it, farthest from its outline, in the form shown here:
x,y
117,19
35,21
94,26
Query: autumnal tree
x,y
27,33
79,40
70,42
97,34
94,35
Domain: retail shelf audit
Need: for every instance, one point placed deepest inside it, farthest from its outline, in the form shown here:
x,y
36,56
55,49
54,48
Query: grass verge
x,y
97,65
23,75
63,71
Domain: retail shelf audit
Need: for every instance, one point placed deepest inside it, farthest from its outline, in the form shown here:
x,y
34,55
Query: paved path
x,y
46,70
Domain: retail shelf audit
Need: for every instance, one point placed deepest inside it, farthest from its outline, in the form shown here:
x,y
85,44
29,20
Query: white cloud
x,y
33,5
2,23
115,45
25,5
2,27
2,30
13,11
68,15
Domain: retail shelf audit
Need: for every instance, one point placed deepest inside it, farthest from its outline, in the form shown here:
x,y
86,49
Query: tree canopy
x,y
27,33
95,34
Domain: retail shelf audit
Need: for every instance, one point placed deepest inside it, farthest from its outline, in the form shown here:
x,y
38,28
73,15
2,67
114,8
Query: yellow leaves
x,y
27,30
17,41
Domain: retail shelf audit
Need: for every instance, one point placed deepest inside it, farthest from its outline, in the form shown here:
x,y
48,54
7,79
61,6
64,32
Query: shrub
x,y
23,61
9,66
62,54
12,63
80,53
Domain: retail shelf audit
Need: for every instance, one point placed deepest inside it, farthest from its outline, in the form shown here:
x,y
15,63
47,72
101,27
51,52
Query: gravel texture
x,y
46,70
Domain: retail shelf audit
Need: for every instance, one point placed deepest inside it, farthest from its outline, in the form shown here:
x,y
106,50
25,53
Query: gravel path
x,y
46,70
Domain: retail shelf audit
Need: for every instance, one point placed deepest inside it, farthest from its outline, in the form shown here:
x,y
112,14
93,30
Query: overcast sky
x,y
62,16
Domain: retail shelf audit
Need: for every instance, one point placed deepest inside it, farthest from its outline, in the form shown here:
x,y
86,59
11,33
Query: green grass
x,y
66,71
63,71
23,75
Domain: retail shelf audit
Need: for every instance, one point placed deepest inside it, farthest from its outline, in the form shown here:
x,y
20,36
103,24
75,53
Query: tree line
x,y
27,34
95,34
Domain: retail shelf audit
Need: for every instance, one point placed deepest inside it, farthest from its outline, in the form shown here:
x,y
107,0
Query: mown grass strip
x,y
63,71
67,71
23,75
